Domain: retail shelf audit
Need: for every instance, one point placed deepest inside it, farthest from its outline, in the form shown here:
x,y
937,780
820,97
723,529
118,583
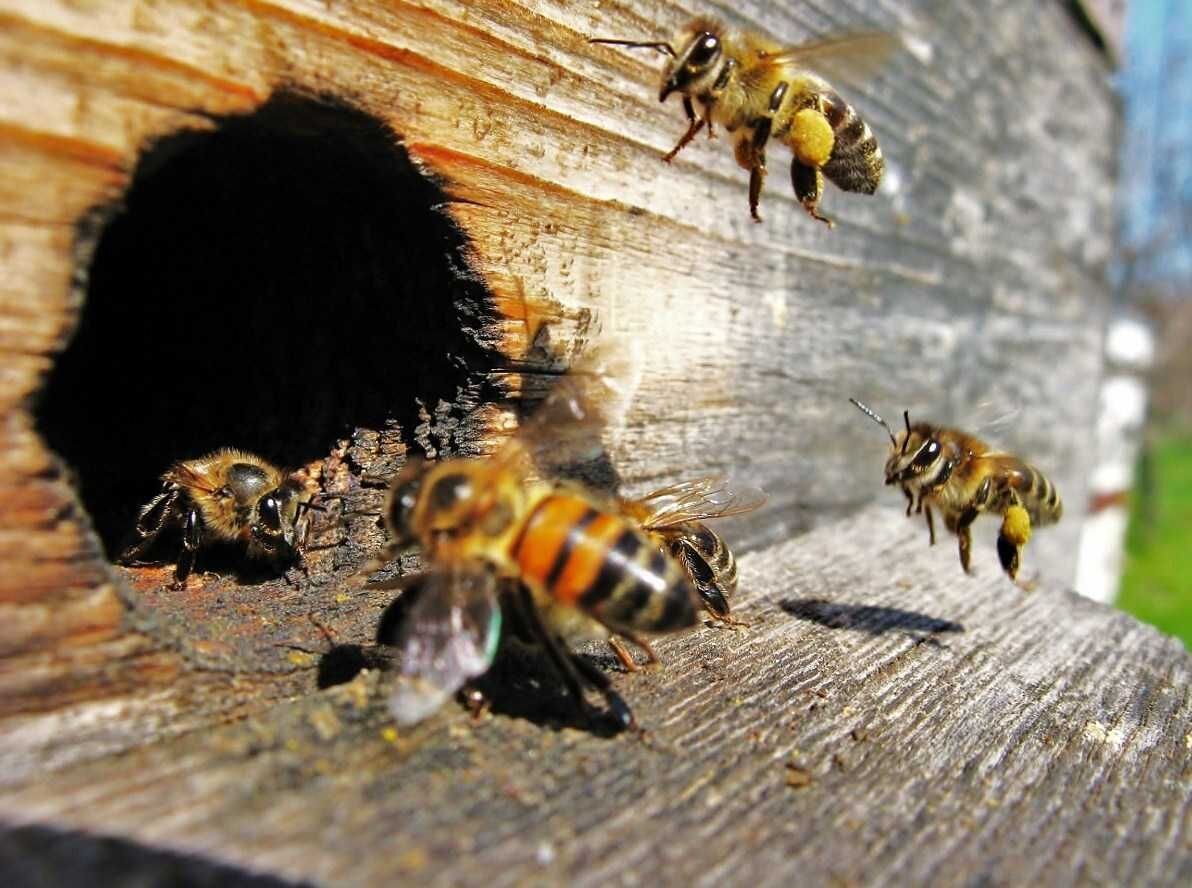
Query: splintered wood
x,y
883,717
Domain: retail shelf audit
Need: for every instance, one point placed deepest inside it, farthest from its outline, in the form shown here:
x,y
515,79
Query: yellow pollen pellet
x,y
1016,526
812,138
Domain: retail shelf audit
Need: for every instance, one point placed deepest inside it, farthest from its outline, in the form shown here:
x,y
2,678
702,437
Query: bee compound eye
x,y
705,49
927,453
269,511
451,490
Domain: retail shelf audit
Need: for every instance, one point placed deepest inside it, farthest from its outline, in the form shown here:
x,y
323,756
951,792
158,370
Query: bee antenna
x,y
876,419
659,45
906,417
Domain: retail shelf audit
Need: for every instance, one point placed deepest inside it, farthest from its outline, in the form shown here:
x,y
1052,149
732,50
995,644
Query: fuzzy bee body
x,y
578,555
760,90
579,568
963,477
231,496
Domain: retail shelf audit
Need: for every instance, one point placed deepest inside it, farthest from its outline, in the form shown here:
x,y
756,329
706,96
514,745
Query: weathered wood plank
x,y
962,231
950,729
975,276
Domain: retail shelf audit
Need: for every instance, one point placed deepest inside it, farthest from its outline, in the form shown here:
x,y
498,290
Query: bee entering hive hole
x,y
276,284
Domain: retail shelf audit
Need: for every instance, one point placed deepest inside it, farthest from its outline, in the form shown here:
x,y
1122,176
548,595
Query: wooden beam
x,y
883,718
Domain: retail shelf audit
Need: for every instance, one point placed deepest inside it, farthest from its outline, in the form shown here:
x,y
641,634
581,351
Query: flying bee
x,y
227,496
564,557
759,90
673,517
963,476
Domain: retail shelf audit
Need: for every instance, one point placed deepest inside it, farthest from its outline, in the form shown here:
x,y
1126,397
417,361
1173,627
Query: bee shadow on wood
x,y
37,854
272,283
871,619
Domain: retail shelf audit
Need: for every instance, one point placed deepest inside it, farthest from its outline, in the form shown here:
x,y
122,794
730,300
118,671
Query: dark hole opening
x,y
271,285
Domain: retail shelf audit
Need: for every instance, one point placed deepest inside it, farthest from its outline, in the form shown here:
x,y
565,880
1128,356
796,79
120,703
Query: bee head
x,y
697,65
914,452
911,452
246,483
274,518
404,497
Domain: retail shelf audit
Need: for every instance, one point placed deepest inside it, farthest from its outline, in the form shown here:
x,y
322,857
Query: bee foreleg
x,y
754,151
930,522
964,533
910,500
192,536
694,125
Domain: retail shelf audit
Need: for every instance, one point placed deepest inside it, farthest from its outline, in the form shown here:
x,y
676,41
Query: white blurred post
x,y
1129,354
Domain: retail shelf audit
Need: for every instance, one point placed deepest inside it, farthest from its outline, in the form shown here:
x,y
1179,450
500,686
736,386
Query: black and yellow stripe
x,y
1040,498
598,562
856,163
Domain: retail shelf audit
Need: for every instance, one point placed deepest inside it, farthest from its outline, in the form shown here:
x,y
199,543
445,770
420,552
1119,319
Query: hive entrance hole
x,y
271,284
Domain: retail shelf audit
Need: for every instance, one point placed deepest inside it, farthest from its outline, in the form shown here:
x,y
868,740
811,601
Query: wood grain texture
x,y
881,720
971,284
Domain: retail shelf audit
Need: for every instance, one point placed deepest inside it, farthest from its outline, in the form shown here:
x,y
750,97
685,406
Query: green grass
x,y
1157,580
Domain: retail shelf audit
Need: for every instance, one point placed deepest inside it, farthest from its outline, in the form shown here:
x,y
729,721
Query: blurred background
x,y
1142,489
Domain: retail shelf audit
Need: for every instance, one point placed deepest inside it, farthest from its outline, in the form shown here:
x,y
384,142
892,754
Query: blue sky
x,y
1156,178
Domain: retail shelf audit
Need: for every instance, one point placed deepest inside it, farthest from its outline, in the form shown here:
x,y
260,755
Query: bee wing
x,y
573,411
697,500
993,420
186,476
449,636
851,57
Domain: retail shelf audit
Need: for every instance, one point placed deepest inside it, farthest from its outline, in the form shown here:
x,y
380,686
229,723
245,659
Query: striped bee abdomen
x,y
1040,498
856,163
601,564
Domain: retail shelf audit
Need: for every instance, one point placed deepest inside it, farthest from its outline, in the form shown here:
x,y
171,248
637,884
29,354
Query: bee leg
x,y
151,521
910,500
651,657
623,654
617,706
694,125
475,701
716,605
965,534
930,523
754,151
574,670
192,535
704,579
808,183
1009,555
1014,533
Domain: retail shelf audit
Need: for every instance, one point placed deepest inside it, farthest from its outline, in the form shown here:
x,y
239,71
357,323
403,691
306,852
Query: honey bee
x,y
567,559
963,476
760,90
227,496
673,517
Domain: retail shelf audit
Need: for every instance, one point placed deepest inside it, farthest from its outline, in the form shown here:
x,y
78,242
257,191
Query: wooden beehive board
x,y
880,721
972,285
